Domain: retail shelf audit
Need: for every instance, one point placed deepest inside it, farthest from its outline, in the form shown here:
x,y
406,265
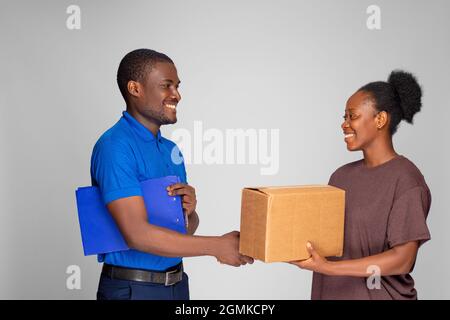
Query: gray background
x,y
289,65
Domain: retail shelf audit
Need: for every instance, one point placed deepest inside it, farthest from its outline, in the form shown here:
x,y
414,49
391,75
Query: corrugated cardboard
x,y
277,222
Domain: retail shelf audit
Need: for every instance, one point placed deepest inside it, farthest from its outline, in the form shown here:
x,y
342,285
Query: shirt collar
x,y
140,129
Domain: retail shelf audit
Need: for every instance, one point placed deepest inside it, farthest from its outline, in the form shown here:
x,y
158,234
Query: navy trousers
x,y
115,289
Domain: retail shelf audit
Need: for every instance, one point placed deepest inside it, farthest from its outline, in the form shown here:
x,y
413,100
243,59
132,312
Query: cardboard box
x,y
277,222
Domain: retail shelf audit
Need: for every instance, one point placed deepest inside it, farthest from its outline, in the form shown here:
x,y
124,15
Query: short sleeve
x,y
407,219
331,181
177,159
114,169
335,179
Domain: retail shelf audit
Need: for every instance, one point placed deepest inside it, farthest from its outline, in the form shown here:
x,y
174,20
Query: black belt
x,y
168,277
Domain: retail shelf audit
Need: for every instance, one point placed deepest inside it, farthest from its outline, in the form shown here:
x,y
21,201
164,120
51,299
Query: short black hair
x,y
400,97
135,65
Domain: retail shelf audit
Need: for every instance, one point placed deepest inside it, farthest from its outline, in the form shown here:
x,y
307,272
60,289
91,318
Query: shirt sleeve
x,y
407,219
114,169
178,161
333,180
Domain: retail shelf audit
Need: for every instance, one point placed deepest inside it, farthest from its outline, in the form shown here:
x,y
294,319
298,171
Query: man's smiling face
x,y
159,94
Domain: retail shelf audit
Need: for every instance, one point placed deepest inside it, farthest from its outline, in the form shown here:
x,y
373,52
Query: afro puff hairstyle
x,y
400,97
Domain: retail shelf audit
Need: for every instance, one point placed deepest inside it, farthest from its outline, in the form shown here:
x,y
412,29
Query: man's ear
x,y
381,119
134,88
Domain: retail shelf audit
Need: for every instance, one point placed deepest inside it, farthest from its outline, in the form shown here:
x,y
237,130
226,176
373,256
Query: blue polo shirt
x,y
123,156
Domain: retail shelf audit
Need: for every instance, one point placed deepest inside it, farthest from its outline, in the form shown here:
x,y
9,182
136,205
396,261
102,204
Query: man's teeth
x,y
171,106
348,135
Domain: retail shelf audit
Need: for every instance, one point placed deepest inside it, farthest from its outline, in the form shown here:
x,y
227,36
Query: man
x,y
131,151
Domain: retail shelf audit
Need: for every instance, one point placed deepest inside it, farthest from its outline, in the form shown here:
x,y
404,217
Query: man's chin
x,y
169,121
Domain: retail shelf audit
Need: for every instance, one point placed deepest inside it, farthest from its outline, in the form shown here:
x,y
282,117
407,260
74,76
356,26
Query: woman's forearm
x,y
395,261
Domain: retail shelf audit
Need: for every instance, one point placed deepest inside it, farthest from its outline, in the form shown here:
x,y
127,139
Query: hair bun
x,y
409,93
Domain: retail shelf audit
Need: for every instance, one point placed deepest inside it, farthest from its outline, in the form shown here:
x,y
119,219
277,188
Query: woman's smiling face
x,y
361,121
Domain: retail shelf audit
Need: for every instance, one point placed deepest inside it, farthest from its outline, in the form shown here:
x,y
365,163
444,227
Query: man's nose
x,y
344,124
176,94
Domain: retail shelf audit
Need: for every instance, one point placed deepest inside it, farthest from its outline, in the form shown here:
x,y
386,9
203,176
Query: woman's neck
x,y
379,152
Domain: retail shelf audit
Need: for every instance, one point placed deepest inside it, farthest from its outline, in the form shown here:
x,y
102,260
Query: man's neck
x,y
150,125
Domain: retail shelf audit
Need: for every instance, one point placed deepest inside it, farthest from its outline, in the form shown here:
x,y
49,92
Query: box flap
x,y
293,189
254,207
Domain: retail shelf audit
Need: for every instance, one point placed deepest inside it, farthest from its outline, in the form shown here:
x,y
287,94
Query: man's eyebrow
x,y
171,81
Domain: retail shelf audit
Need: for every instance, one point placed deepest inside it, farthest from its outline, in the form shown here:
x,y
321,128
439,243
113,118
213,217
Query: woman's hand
x,y
395,261
315,263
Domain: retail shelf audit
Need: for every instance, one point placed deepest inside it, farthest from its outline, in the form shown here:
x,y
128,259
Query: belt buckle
x,y
167,282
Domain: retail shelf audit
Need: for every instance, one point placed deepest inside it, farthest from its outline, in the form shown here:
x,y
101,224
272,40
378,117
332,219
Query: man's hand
x,y
228,250
187,194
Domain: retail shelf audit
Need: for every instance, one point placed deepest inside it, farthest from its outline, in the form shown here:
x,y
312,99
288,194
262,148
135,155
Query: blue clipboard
x,y
100,233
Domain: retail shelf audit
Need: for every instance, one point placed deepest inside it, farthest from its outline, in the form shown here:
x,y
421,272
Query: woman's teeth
x,y
348,135
171,106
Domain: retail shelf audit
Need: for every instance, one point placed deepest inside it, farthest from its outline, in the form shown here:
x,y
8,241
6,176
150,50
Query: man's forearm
x,y
168,243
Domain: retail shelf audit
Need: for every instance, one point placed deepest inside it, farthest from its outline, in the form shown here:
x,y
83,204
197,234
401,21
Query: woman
x,y
387,200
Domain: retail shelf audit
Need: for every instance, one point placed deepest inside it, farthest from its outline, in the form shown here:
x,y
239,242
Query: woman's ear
x,y
381,119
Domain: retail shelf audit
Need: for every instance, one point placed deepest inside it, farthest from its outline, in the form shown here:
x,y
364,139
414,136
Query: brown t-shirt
x,y
385,206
